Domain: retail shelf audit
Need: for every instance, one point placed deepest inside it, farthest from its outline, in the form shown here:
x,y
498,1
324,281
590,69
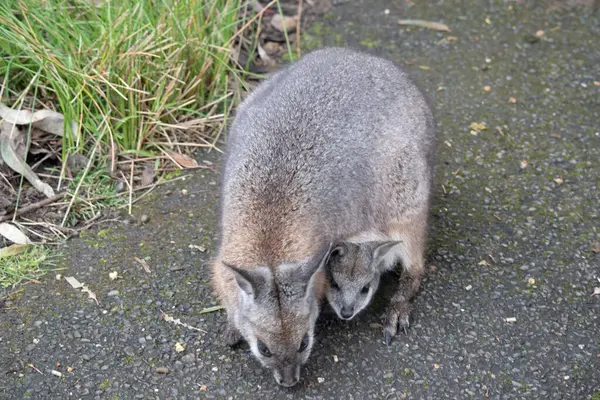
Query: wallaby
x,y
337,146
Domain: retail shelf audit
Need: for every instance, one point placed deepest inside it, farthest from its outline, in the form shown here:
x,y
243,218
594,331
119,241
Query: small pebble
x,y
321,380
162,370
57,373
144,218
113,293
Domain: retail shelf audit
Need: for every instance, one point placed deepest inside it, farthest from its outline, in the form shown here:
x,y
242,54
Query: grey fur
x,y
338,146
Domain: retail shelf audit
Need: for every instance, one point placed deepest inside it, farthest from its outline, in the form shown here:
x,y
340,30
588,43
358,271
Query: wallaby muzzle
x,y
287,376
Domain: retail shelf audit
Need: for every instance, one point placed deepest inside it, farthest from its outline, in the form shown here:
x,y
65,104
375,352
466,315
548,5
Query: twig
x,y
33,207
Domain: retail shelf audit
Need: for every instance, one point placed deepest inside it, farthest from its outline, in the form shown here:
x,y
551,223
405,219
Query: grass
x,y
27,265
140,78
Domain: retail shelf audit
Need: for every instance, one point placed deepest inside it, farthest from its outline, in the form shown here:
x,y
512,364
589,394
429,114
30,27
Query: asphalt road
x,y
515,216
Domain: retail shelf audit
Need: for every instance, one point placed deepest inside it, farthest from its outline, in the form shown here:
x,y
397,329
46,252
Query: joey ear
x,y
316,264
252,281
385,254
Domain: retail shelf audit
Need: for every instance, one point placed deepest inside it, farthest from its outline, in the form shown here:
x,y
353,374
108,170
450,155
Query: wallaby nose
x,y
288,376
347,312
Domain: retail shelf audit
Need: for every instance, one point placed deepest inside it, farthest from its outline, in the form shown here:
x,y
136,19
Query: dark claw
x,y
388,337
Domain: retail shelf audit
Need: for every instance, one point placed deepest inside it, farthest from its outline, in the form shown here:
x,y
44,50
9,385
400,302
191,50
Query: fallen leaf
x,y
558,180
596,83
162,370
280,23
436,26
177,321
436,366
199,248
143,263
179,347
539,33
69,369
9,138
183,159
424,67
45,120
113,275
524,163
203,388
13,250
91,295
73,282
483,262
512,100
451,38
555,135
487,88
264,56
531,281
211,309
511,319
488,20
148,174
596,291
57,373
477,126
596,247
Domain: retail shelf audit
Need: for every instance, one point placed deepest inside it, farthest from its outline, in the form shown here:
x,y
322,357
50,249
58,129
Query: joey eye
x,y
304,343
263,349
365,289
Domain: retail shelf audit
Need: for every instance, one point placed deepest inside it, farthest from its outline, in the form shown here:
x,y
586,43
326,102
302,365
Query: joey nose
x,y
347,312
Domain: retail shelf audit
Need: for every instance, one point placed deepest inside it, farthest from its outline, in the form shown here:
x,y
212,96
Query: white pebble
x,y
321,380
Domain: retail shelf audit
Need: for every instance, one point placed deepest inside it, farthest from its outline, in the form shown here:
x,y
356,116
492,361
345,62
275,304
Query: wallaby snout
x,y
347,311
287,376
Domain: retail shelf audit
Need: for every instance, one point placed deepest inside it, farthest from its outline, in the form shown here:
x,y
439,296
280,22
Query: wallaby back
x,y
338,144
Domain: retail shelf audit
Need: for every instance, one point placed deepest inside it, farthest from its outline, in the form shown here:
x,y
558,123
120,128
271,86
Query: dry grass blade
x,y
436,26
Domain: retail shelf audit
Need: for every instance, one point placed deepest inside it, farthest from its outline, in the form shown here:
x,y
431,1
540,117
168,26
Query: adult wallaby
x,y
337,145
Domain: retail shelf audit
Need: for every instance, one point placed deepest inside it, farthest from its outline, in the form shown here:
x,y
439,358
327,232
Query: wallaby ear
x,y
385,254
338,250
253,281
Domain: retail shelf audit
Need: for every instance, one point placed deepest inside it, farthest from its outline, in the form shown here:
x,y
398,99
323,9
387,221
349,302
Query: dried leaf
x,y
524,163
510,320
596,247
203,388
73,282
199,248
177,321
179,347
264,56
113,275
596,291
183,159
13,233
91,295
436,26
478,126
45,120
436,366
9,136
143,263
559,180
539,33
278,22
531,281
483,262
512,100
148,174
13,250
487,88
596,83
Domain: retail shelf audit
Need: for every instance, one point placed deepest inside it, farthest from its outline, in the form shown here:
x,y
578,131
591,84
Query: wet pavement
x,y
515,216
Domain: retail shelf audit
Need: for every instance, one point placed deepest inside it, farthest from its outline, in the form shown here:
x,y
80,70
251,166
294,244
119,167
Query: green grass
x,y
128,71
27,265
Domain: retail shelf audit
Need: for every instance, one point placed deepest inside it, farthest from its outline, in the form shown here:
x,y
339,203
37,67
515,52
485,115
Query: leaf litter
x,y
75,284
436,26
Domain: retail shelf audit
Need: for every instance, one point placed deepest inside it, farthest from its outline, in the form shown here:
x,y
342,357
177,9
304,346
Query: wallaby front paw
x,y
232,335
397,316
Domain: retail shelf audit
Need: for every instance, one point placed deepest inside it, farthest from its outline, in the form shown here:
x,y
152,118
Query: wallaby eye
x,y
263,349
365,289
304,343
